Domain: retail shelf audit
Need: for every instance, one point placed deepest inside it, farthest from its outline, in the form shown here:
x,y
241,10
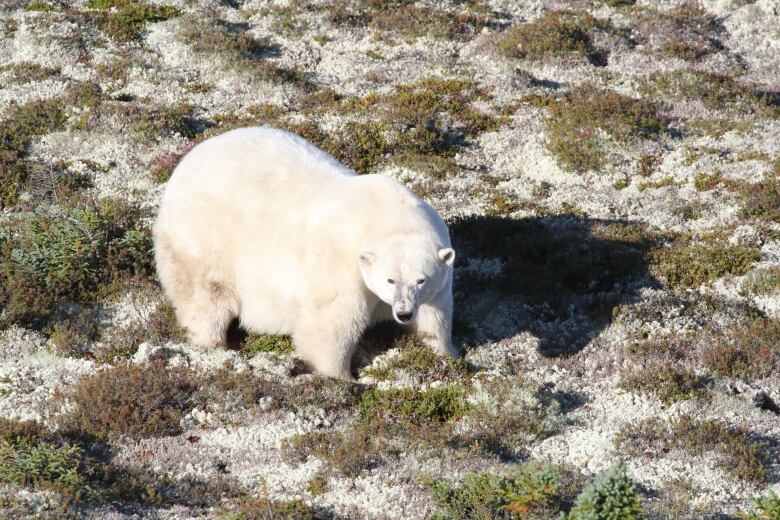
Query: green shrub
x,y
613,496
73,254
349,452
715,91
762,281
576,121
130,399
555,34
282,345
241,51
667,380
761,200
766,507
505,415
42,465
535,491
739,453
748,350
124,20
419,360
22,124
79,468
405,407
687,264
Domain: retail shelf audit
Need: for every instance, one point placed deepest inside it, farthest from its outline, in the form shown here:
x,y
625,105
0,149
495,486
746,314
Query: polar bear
x,y
260,225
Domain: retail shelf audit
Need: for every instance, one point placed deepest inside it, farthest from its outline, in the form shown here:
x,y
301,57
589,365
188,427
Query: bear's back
x,y
254,154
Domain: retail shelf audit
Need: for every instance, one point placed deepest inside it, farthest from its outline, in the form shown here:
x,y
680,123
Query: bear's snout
x,y
404,317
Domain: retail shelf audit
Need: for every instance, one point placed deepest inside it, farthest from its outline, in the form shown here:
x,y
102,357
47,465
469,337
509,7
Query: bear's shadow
x,y
558,277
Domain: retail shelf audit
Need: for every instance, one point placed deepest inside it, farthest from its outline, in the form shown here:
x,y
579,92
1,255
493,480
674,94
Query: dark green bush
x,y
613,496
52,256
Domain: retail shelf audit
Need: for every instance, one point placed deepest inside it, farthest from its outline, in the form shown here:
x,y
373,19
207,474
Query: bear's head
x,y
405,272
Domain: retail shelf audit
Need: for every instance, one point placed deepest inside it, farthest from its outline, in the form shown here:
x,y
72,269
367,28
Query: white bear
x,y
259,224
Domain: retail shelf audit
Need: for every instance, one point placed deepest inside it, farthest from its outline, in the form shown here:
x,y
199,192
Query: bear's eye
x,y
421,281
390,281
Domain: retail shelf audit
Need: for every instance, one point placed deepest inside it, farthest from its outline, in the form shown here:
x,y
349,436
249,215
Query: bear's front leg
x,y
434,323
325,337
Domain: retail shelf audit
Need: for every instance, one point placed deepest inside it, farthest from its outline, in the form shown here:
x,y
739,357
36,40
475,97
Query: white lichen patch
x,y
28,384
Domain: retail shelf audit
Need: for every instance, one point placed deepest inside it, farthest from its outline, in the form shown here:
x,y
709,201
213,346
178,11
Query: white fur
x,y
259,224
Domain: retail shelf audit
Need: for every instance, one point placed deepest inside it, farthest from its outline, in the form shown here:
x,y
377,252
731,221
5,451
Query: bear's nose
x,y
404,316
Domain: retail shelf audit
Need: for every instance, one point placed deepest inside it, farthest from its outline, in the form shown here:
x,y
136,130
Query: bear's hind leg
x,y
208,314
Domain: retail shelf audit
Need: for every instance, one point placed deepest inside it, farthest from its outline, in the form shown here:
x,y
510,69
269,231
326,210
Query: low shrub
x,y
535,491
130,399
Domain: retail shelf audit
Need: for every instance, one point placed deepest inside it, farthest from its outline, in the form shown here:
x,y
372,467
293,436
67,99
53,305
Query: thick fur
x,y
261,225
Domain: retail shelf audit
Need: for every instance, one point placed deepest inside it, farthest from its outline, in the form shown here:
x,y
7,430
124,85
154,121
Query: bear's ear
x,y
447,255
367,258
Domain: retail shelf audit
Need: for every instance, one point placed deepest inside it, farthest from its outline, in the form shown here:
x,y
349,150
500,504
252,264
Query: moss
x,y
647,164
164,164
287,19
124,20
739,453
666,380
152,123
555,34
686,32
716,127
578,122
707,181
414,21
23,124
134,400
70,336
317,485
435,166
689,264
281,345
531,491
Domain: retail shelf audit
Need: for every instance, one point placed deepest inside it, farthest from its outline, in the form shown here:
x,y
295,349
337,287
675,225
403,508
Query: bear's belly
x,y
268,312
270,291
